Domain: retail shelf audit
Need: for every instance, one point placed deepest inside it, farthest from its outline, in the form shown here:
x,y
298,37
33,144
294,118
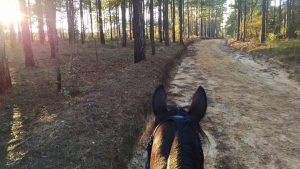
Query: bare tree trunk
x,y
91,18
183,17
238,33
160,21
13,35
139,34
188,21
130,19
279,17
51,26
174,22
110,22
290,16
274,18
82,32
5,80
39,12
245,18
71,20
196,21
29,19
143,21
267,15
102,38
201,19
124,33
117,23
19,32
29,61
209,23
180,22
152,27
166,22
52,36
263,27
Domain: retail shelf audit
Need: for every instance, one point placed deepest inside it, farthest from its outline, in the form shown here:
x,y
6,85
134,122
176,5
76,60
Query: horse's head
x,y
175,141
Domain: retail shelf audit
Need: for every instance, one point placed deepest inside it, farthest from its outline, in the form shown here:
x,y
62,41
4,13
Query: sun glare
x,y
9,11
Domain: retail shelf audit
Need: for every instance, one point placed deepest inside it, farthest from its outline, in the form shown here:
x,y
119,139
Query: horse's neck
x,y
180,154
165,159
174,157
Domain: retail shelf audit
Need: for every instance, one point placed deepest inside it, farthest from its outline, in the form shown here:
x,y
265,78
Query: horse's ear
x,y
159,101
198,106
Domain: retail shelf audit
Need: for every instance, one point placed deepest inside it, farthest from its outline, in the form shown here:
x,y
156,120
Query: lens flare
x,y
9,11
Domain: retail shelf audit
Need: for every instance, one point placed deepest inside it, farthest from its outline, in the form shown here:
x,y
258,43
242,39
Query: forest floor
x,y
253,114
92,123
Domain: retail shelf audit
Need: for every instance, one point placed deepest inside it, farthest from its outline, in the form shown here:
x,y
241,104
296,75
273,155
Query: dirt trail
x,y
253,118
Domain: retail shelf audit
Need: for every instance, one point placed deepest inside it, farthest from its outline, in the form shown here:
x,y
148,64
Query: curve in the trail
x,y
253,114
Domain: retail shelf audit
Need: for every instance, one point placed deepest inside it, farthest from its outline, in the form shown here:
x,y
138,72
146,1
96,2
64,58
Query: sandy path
x,y
253,117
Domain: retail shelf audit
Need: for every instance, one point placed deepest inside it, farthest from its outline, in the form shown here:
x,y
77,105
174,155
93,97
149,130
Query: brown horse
x,y
175,142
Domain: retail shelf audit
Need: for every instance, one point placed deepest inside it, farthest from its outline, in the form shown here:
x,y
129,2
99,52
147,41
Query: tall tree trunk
x,y
209,23
29,19
115,24
205,28
130,19
188,19
183,17
5,80
118,22
139,34
215,24
238,33
152,27
40,18
29,61
279,17
52,36
145,13
180,5
91,17
289,20
102,38
166,22
267,15
19,32
71,20
13,35
124,33
201,19
274,18
197,21
245,18
160,20
82,32
51,26
263,27
97,18
174,22
110,22
293,18
143,22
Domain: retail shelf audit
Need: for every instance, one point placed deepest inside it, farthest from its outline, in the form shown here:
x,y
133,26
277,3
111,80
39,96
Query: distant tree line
x,y
162,21
264,19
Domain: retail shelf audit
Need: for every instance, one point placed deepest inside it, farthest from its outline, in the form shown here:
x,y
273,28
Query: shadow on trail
x,y
27,105
12,137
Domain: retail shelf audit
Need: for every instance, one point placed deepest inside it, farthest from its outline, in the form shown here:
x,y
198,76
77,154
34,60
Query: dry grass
x,y
94,122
